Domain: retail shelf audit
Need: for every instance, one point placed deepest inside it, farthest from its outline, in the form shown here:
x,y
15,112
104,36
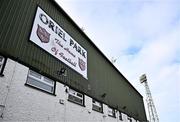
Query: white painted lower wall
x,y
19,102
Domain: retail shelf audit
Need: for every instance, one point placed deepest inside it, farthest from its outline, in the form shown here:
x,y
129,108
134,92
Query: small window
x,y
97,106
76,97
129,119
111,112
120,115
41,82
34,74
2,64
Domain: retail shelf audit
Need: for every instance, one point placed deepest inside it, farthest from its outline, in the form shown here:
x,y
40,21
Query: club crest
x,y
43,35
82,64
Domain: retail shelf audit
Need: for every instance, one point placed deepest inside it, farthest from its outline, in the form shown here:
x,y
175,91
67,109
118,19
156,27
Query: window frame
x,y
129,119
113,112
40,80
2,63
101,105
120,116
75,94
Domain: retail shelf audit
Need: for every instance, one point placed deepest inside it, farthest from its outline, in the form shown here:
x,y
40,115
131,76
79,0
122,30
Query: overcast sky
x,y
144,37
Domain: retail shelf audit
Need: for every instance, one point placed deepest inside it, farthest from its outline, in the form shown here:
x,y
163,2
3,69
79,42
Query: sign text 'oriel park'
x,y
47,34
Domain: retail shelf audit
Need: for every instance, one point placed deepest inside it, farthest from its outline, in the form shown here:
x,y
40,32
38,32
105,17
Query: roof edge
x,y
61,9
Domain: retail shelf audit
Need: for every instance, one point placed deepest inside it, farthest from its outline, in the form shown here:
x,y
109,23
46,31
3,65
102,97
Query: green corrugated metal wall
x,y
16,22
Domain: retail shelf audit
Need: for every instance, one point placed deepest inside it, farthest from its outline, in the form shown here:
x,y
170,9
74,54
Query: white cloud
x,y
156,58
152,26
155,18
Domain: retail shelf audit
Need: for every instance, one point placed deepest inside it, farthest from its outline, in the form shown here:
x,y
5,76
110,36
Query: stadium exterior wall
x,y
103,82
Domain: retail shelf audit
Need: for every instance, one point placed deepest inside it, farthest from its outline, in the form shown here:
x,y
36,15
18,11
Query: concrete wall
x,y
19,102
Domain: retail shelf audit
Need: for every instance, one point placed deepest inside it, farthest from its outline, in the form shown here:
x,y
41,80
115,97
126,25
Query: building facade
x,y
51,71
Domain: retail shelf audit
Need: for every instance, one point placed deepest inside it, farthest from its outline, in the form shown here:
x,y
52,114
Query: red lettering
x,y
53,49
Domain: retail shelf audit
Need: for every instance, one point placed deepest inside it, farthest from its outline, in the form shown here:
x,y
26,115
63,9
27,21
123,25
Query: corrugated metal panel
x,y
16,21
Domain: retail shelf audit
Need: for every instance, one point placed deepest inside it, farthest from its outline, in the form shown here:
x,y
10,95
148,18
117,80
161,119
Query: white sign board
x,y
47,34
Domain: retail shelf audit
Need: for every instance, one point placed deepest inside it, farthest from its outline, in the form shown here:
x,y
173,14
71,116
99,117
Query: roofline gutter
x,y
61,9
